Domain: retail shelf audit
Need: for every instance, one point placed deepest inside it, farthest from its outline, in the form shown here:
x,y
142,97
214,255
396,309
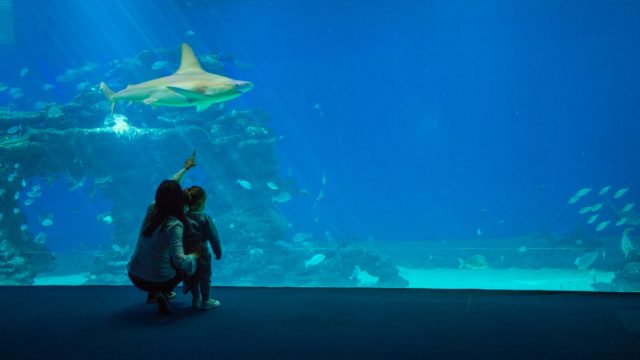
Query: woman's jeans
x,y
154,287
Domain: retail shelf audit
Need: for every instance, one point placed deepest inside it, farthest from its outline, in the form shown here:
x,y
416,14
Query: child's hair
x,y
194,195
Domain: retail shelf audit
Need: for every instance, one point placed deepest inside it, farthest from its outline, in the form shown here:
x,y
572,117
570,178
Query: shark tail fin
x,y
109,94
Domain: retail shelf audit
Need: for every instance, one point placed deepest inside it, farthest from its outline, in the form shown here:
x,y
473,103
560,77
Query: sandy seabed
x,y
505,279
488,279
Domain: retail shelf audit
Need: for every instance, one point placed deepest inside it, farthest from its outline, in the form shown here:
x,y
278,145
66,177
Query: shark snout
x,y
242,86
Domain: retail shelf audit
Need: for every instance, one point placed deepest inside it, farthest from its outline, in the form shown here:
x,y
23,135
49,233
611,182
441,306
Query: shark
x,y
189,86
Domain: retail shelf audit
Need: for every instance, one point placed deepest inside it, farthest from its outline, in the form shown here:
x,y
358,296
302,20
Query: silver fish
x,y
604,190
602,225
283,197
628,207
14,129
244,183
586,260
620,193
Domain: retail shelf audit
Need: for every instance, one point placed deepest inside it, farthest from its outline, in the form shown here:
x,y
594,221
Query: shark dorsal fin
x,y
189,62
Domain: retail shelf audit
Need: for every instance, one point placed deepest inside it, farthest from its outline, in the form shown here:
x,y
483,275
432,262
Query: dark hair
x,y
169,201
194,195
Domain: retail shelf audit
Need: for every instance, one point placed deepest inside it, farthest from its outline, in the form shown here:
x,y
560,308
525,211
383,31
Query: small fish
x,y
315,260
320,195
75,184
476,262
16,165
23,183
597,207
604,190
36,188
271,185
522,249
574,199
586,260
479,232
103,180
621,221
82,86
16,211
582,192
54,112
24,227
3,87
11,177
14,129
46,219
283,197
592,219
116,248
16,92
628,207
244,183
324,179
24,72
107,220
16,196
585,210
34,194
47,87
41,238
158,65
300,237
189,33
28,202
602,225
620,193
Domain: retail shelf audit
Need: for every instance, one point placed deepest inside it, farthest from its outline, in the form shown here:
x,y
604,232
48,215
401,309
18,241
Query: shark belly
x,y
153,96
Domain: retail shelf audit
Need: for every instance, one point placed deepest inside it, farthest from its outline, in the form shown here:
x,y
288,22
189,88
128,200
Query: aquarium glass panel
x,y
407,144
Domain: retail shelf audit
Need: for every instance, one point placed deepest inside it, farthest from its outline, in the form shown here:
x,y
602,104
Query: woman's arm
x,y
184,262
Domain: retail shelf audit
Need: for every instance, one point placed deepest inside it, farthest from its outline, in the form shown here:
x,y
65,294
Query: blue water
x,y
430,119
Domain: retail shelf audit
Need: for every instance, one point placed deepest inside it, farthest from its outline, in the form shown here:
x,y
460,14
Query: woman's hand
x,y
190,162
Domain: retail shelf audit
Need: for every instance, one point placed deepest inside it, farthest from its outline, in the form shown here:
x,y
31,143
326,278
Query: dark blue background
x,y
435,117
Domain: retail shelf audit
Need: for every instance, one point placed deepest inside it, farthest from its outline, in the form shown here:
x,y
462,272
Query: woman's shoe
x,y
151,298
163,304
210,304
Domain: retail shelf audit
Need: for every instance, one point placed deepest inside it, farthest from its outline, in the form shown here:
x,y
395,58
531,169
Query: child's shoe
x,y
210,304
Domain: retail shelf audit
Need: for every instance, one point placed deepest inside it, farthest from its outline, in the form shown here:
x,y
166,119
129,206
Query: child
x,y
202,230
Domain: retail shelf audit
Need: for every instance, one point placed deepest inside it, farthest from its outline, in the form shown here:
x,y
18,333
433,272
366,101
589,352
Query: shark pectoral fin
x,y
149,101
203,106
192,96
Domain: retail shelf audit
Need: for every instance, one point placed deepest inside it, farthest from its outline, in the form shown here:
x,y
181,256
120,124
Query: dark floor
x,y
294,323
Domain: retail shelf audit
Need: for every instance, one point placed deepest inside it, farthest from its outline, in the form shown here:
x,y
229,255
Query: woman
x,y
159,251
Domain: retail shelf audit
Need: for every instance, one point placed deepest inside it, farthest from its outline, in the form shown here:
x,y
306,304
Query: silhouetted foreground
x,y
319,323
